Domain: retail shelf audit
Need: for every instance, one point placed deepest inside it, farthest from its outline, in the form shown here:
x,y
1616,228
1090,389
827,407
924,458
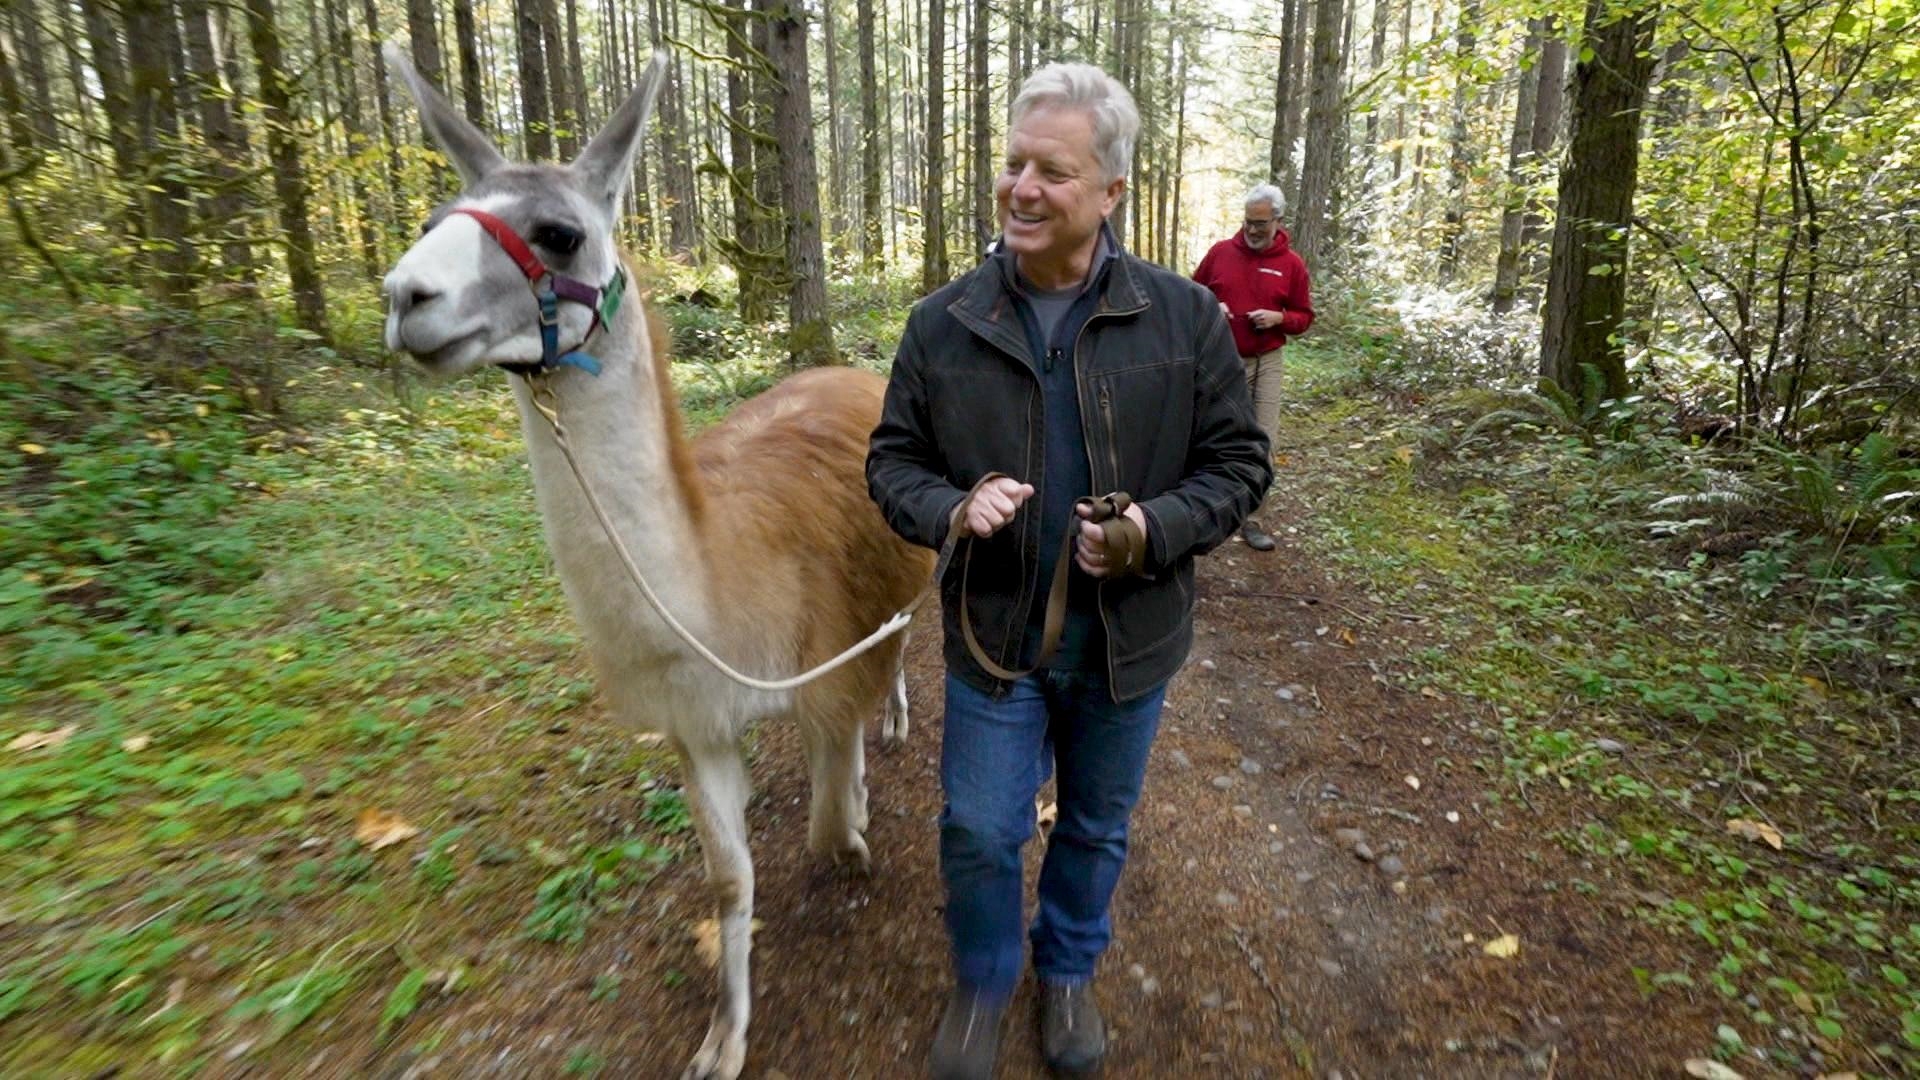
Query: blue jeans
x,y
994,756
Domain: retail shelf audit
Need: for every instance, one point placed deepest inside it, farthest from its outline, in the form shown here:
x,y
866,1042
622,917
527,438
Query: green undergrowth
x,y
293,725
1699,675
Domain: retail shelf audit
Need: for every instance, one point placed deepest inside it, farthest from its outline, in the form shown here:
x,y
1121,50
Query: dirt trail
x,y
1251,940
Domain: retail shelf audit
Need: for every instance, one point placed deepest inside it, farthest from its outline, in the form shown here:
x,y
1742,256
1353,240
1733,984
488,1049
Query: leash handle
x,y
1125,540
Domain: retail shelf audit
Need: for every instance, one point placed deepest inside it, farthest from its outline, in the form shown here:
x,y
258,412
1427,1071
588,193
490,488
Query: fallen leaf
x,y
1758,831
175,991
1430,692
1804,1002
133,744
1413,782
1347,638
1707,1069
1405,454
706,939
378,829
1044,816
1838,1076
32,448
41,740
1506,946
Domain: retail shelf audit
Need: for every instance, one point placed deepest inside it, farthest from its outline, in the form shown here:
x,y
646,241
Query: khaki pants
x,y
1263,382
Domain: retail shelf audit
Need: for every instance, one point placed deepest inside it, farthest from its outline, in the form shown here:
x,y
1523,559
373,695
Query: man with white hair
x,y
1263,289
1061,367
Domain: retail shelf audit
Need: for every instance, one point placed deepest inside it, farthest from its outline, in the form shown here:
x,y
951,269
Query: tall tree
x,y
1506,270
152,39
1587,279
116,100
19,127
676,168
469,48
1325,114
289,176
535,121
1280,147
560,110
810,333
225,205
933,206
1460,145
981,157
31,49
423,32
1549,109
871,138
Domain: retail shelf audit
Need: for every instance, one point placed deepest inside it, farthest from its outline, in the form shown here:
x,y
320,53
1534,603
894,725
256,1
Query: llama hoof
x,y
721,1057
894,737
854,859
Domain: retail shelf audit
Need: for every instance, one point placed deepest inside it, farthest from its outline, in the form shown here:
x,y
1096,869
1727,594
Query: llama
x,y
758,535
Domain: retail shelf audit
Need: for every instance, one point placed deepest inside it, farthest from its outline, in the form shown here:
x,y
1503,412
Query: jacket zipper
x,y
1113,456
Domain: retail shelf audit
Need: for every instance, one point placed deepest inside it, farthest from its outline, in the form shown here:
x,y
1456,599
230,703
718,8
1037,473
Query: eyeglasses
x,y
1259,223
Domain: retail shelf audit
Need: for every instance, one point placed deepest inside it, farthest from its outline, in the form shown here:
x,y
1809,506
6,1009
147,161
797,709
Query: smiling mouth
x,y
1025,219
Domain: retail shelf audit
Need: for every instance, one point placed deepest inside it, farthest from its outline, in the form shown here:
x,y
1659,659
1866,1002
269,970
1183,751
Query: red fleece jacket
x,y
1271,279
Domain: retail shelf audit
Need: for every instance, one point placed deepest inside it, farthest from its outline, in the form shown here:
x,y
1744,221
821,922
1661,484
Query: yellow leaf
x,y
706,939
1838,1076
42,740
32,448
1803,1001
136,743
201,410
1413,781
1706,1069
1506,946
1430,692
1405,454
378,829
1758,831
1346,637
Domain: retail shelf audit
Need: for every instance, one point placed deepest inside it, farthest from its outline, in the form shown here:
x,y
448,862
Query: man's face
x,y
1052,191
1262,225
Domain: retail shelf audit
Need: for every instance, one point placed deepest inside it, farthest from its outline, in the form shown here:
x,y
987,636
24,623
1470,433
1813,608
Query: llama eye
x,y
558,239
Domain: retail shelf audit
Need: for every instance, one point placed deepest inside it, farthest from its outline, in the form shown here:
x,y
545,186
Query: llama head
x,y
458,299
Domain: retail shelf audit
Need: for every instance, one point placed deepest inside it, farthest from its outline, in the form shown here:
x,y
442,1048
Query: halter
x,y
549,289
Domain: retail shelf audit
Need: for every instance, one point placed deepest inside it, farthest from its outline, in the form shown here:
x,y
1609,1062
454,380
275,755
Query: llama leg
x,y
717,788
893,728
837,813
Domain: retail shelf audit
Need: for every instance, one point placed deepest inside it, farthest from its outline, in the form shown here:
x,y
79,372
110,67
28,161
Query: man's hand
x,y
1263,319
994,505
1090,550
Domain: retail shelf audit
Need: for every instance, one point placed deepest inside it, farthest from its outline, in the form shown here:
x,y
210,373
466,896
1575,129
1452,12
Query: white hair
x,y
1116,121
1267,193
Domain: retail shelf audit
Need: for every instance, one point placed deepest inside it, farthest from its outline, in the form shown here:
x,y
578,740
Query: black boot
x,y
969,1037
1256,538
1073,1037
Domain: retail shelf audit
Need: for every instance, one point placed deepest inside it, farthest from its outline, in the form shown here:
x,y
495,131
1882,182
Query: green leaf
x,y
402,1001
1829,1028
1894,975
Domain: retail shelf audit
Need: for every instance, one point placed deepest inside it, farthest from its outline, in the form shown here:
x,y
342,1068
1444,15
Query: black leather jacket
x,y
1167,418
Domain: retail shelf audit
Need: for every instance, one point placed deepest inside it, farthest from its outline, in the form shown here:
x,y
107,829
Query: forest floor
x,y
364,816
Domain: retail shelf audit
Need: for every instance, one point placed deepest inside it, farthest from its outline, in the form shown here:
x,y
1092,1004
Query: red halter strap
x,y
510,242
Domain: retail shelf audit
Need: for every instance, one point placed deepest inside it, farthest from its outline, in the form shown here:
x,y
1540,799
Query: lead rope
x,y
537,383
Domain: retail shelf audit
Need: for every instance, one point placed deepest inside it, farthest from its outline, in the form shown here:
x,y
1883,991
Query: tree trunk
x,y
836,145
469,48
383,101
535,120
810,333
1297,88
576,69
152,37
872,245
933,210
227,202
560,113
116,100
1376,61
31,51
1587,280
1506,269
340,33
676,169
289,177
1548,109
424,37
1460,151
982,153
20,134
76,76
1325,113
1280,149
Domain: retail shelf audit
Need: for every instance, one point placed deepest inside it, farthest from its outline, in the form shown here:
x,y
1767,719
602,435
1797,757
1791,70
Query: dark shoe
x,y
969,1037
1255,538
1072,1036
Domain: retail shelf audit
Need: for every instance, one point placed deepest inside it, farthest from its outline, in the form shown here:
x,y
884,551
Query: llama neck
x,y
625,438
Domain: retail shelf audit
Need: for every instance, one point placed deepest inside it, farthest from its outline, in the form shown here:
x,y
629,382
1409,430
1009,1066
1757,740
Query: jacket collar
x,y
986,295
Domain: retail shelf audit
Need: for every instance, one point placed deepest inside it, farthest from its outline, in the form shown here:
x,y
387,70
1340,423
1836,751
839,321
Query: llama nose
x,y
403,297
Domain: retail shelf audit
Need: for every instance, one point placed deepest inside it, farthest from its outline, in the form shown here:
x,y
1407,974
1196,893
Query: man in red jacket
x,y
1263,291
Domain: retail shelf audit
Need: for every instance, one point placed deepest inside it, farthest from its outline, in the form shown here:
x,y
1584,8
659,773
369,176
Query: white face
x,y
457,301
1052,191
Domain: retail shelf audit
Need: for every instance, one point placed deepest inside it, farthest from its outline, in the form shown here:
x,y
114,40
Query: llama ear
x,y
606,165
473,155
